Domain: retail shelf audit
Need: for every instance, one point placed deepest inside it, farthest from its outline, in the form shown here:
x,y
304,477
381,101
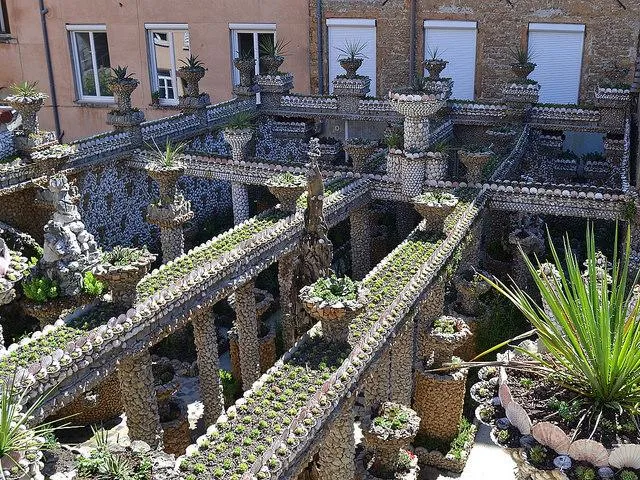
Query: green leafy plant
x,y
270,48
240,121
352,50
25,91
522,56
503,436
437,198
628,475
538,454
395,418
122,256
584,473
245,55
333,289
192,61
287,179
121,73
434,54
169,156
91,285
155,96
445,325
40,289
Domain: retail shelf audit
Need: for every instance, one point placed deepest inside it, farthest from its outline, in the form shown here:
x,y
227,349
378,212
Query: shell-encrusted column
x,y
240,201
247,328
286,270
530,239
402,365
204,332
337,454
377,385
360,221
431,308
139,399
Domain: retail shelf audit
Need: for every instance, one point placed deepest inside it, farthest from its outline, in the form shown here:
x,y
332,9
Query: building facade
x,y
151,38
576,44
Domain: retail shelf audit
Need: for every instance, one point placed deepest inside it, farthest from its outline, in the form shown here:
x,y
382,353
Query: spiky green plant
x,y
520,55
26,91
121,73
352,50
594,332
240,121
271,48
192,62
434,54
169,156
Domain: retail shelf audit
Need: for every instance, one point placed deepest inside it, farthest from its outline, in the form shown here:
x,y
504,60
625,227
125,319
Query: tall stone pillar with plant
x,y
171,211
351,87
25,99
336,459
521,93
360,224
247,328
125,118
192,71
204,331
139,398
274,83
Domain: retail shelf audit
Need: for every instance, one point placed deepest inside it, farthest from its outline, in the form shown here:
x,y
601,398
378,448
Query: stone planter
x,y
475,162
436,165
28,109
416,105
440,346
47,313
413,168
433,214
335,317
351,66
29,468
175,425
167,180
191,76
435,67
122,279
359,152
470,288
247,69
522,70
502,139
122,90
386,442
287,195
272,63
238,139
482,392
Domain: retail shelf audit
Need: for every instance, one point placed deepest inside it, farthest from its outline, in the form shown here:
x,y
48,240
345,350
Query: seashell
x,y
625,456
34,368
518,417
551,436
504,392
46,361
589,451
57,355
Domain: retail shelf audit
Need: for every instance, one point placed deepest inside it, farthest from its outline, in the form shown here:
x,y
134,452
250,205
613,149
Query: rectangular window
x,y
455,42
4,18
352,30
168,47
91,64
245,41
556,49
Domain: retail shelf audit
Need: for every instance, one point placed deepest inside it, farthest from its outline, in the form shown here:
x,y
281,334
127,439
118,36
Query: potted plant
x,y
434,63
334,302
287,188
246,65
434,208
238,132
359,151
351,57
155,98
27,101
122,84
424,98
474,158
272,53
444,336
388,431
522,64
192,71
166,167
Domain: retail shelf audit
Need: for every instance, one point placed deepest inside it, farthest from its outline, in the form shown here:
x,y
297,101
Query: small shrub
x,y
40,289
91,285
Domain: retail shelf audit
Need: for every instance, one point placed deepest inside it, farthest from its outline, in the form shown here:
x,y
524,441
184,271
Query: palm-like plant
x,y
352,50
271,48
168,157
121,74
591,329
192,62
241,121
26,91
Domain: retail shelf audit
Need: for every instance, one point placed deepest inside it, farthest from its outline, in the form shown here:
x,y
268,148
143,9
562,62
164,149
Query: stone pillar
x,y
286,270
406,220
360,221
377,385
240,200
529,238
336,459
139,399
247,328
204,332
172,243
401,380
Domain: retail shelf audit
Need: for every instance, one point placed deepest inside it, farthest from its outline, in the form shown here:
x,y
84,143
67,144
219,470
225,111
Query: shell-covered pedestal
x,y
238,139
433,213
122,279
359,152
287,195
475,162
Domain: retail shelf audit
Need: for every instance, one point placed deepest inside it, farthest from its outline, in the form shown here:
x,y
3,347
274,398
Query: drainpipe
x,y
320,49
52,83
412,43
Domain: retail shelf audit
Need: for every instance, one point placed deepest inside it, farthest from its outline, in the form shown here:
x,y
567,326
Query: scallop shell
x,y
551,436
504,392
625,456
589,451
518,417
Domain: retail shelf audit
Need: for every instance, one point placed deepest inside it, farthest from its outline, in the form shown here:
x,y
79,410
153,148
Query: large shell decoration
x,y
625,456
518,417
551,436
589,451
504,392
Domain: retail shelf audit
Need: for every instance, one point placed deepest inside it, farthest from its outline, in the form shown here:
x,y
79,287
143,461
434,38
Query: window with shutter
x,y
556,49
352,30
455,41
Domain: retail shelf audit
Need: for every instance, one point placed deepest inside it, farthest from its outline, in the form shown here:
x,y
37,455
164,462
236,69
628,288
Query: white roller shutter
x,y
342,30
557,50
456,43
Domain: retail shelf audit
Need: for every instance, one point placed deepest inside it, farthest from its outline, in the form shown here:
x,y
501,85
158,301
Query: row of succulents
x,y
236,444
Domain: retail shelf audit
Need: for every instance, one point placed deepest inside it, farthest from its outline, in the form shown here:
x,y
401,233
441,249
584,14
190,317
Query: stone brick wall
x,y
611,35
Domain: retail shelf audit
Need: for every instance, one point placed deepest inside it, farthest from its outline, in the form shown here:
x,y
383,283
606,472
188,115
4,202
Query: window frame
x,y
167,28
4,22
75,59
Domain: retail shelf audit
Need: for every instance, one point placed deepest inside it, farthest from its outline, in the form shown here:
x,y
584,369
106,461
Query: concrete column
x,y
360,221
336,459
401,371
139,399
240,200
286,266
204,332
247,328
377,385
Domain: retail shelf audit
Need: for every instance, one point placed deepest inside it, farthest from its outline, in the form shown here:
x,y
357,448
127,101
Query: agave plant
x,y
26,91
240,121
352,50
169,156
522,56
192,62
590,328
121,74
271,48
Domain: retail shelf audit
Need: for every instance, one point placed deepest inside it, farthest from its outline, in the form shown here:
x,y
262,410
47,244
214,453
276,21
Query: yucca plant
x,y
169,156
192,62
271,48
240,121
591,328
25,91
522,56
352,50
